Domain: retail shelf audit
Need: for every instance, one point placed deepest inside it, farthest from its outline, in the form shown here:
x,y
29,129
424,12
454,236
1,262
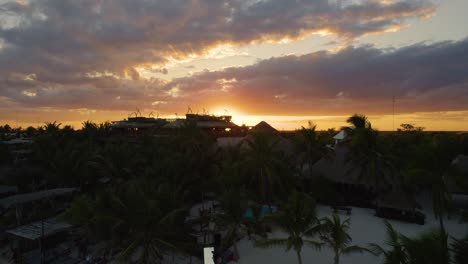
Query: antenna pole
x,y
393,110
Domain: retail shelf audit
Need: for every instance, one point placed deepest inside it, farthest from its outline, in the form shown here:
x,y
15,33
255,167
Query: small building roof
x,y
341,135
30,197
22,151
34,231
461,163
4,189
18,141
459,183
264,128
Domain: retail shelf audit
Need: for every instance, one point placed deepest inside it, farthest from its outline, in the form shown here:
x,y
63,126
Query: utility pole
x,y
393,110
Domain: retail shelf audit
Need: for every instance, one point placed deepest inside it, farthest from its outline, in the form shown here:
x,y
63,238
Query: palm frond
x,y
315,244
355,249
376,249
273,242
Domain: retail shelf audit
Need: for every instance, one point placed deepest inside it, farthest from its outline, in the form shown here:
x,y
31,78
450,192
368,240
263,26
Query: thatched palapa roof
x,y
459,183
397,199
339,169
264,128
280,143
336,168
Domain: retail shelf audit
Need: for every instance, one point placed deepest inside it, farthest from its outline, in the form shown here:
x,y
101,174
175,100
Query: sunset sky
x,y
282,61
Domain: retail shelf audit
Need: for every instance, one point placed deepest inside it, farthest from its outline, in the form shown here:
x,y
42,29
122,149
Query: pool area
x,y
264,210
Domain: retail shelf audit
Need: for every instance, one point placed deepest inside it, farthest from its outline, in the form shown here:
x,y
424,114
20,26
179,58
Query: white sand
x,y
365,228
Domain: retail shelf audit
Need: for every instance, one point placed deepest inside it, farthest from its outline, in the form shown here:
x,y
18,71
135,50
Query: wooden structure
x,y
399,205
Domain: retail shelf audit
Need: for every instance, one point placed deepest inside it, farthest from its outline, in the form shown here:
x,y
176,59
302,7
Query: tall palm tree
x,y
308,147
439,158
298,219
231,219
265,166
426,248
393,250
359,121
374,167
335,235
230,161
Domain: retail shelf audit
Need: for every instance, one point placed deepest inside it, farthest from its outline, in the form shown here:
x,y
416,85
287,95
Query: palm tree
x,y
116,161
460,250
231,219
308,147
374,167
440,204
52,127
265,166
439,158
359,121
298,219
140,216
335,235
230,161
89,129
426,248
396,253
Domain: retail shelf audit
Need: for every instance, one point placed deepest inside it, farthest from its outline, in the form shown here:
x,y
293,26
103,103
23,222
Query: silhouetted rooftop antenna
x,y
226,112
189,110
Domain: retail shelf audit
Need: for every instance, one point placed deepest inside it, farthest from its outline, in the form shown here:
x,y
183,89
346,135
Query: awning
x,y
30,197
34,230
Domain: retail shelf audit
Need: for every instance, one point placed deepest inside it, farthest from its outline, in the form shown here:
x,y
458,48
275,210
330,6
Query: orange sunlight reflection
x,y
432,121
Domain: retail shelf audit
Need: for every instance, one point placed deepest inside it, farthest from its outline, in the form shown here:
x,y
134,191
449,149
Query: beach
x,y
365,228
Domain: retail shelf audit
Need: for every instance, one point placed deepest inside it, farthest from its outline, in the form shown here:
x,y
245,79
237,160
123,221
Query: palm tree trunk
x,y
236,251
337,258
443,240
299,257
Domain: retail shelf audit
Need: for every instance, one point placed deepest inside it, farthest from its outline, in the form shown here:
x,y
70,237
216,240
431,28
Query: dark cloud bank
x,y
83,54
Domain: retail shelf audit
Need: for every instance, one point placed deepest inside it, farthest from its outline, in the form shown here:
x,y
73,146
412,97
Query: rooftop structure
x,y
218,125
135,123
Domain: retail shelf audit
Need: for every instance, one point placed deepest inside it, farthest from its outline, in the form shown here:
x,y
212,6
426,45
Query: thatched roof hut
x,y
264,128
337,168
397,199
280,143
459,183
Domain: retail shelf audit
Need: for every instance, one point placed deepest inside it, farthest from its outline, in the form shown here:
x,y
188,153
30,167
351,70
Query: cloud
x,y
422,77
91,54
62,41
